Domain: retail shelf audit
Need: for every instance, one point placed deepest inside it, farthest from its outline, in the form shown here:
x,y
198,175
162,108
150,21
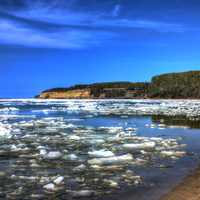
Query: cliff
x,y
175,85
71,94
98,90
172,85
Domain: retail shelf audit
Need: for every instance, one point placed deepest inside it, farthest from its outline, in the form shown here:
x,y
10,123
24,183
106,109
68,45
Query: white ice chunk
x,y
82,193
140,146
50,187
101,153
43,152
71,157
111,160
5,132
79,168
53,155
173,153
74,137
59,180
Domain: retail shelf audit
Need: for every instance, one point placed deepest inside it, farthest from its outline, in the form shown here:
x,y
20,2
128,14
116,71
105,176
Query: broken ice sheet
x,y
53,154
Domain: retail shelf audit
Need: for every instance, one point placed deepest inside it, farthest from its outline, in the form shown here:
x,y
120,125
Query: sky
x,y
58,43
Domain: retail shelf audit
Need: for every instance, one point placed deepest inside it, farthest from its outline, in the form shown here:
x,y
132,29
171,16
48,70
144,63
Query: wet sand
x,y
188,189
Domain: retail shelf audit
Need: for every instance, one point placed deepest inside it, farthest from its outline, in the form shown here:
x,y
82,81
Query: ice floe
x,y
50,187
59,180
51,151
51,154
142,146
111,160
5,131
82,193
101,153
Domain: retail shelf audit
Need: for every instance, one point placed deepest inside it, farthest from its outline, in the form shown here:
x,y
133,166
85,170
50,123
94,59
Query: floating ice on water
x,y
89,160
5,131
161,125
126,107
79,168
50,187
71,157
111,160
107,167
8,109
111,183
111,129
82,193
74,137
70,126
52,155
43,152
96,141
140,146
59,180
173,153
101,153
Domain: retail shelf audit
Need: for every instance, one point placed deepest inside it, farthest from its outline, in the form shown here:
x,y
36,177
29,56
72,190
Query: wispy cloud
x,y
89,28
18,34
96,19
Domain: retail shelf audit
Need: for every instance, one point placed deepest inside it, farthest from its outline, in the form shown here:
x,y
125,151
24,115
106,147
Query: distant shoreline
x,y
102,99
185,85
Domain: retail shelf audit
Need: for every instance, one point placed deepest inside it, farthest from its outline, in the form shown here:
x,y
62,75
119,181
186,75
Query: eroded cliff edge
x,y
98,90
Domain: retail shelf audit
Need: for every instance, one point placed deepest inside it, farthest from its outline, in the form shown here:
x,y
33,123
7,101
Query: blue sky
x,y
57,43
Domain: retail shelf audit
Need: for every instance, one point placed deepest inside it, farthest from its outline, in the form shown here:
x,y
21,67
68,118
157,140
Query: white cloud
x,y
17,34
56,15
14,32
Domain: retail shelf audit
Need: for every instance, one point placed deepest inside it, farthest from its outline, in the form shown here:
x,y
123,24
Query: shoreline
x,y
102,99
187,189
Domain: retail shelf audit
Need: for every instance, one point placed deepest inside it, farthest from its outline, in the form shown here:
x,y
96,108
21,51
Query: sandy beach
x,y
188,189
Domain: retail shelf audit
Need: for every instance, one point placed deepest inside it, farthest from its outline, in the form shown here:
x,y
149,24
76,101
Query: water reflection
x,y
176,121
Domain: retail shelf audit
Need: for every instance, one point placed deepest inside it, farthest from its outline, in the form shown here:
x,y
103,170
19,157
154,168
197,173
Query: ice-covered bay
x,y
189,108
86,148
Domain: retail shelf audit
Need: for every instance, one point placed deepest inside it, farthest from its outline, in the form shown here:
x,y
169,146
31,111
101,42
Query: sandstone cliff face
x,y
87,94
110,90
71,94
